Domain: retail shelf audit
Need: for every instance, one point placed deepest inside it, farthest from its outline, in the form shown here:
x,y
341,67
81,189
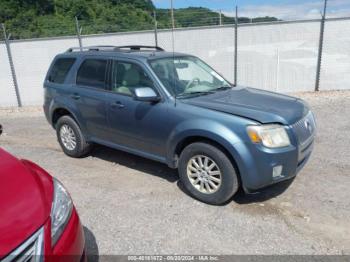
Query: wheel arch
x,y
200,129
58,113
195,139
60,106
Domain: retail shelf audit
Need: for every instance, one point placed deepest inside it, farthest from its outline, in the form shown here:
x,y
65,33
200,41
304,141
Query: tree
x,y
44,18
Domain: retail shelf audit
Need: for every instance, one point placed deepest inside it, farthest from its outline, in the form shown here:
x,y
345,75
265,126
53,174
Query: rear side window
x,y
92,72
60,70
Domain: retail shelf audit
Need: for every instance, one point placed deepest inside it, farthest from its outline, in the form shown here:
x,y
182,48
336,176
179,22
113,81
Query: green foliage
x,y
47,18
264,19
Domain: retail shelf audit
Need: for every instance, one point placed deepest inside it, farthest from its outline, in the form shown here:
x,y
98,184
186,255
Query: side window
x,y
127,76
92,73
60,70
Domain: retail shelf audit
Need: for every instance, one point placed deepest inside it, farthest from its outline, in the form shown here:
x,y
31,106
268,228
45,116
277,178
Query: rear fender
x,y
63,103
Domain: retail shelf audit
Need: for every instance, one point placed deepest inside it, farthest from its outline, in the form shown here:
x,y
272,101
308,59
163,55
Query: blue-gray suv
x,y
176,109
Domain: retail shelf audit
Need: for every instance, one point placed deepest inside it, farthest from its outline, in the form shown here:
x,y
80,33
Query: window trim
x,y
81,62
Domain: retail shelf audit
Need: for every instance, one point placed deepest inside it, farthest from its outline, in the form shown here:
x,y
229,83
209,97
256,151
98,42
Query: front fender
x,y
202,128
227,138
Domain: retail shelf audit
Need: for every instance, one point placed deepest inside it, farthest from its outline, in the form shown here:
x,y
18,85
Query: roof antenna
x,y
173,45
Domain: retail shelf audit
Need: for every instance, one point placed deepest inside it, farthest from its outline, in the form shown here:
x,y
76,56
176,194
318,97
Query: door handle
x,y
75,96
118,105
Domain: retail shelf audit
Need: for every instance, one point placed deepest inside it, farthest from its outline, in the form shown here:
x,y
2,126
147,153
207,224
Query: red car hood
x,y
25,201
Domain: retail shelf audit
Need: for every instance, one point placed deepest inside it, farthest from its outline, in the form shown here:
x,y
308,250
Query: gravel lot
x,y
130,205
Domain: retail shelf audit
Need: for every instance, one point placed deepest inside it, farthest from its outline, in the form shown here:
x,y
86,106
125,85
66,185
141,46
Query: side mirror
x,y
145,94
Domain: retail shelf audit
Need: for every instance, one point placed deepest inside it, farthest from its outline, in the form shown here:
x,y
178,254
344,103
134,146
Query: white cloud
x,y
309,10
339,13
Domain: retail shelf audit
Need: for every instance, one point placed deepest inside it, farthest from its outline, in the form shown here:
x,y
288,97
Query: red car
x,y
38,221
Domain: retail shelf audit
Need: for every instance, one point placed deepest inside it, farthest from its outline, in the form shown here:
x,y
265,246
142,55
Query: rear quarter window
x,y
60,70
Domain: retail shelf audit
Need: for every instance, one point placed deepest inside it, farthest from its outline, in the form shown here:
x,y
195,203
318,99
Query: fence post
x,y
172,14
320,48
277,69
155,27
13,71
79,30
172,25
236,47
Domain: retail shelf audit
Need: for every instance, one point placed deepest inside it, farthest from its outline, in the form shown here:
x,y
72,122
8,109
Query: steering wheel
x,y
189,85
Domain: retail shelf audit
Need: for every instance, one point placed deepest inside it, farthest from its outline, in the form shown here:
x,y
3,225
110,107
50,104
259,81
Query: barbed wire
x,y
29,29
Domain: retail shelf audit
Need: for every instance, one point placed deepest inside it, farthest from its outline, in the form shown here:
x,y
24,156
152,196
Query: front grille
x,y
305,129
29,251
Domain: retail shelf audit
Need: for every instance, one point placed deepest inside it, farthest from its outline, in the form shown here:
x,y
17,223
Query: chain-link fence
x,y
276,55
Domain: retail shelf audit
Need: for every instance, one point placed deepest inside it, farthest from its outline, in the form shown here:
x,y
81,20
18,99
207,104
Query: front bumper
x,y
257,163
71,245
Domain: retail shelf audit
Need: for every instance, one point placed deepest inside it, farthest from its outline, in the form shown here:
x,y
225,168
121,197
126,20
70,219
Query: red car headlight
x,y
62,206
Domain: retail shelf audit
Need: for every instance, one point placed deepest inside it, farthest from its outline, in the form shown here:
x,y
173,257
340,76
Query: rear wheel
x,y
207,173
70,137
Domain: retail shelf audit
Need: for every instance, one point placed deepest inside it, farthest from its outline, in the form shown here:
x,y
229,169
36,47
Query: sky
x,y
283,9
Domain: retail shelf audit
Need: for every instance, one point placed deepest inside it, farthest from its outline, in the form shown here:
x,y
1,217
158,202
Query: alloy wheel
x,y
68,137
204,174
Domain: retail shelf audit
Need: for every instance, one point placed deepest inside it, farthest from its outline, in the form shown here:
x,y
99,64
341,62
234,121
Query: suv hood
x,y
255,104
25,202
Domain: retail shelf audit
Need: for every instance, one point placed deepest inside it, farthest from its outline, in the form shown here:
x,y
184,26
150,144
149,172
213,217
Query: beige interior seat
x,y
131,80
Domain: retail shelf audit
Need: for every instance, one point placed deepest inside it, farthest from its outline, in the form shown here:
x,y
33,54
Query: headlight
x,y
271,136
61,210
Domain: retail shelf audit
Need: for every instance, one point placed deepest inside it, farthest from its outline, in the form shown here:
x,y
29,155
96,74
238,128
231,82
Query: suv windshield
x,y
188,76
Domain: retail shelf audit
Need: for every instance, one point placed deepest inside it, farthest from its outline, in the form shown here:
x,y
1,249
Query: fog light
x,y
277,172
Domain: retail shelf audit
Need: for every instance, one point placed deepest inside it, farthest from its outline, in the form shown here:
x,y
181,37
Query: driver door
x,y
135,124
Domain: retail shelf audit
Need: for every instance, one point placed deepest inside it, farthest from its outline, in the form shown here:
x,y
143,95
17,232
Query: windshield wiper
x,y
201,93
196,93
221,88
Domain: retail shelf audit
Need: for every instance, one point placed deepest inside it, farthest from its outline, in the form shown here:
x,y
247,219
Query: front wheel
x,y
207,173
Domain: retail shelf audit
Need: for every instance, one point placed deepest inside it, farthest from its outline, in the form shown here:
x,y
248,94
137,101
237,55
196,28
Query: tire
x,y
79,147
224,171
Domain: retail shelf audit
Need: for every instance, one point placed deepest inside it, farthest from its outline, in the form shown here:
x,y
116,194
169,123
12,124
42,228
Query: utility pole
x,y
13,71
320,47
79,30
155,27
236,47
220,17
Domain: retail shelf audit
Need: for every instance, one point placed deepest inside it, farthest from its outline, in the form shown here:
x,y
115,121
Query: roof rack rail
x,y
139,47
113,48
92,48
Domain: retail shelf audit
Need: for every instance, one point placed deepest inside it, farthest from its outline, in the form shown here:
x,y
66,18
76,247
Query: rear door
x,y
89,95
